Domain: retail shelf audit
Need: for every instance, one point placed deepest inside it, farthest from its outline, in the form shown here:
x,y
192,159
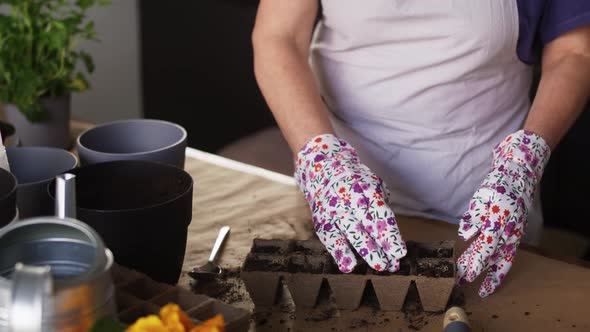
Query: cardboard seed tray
x,y
304,265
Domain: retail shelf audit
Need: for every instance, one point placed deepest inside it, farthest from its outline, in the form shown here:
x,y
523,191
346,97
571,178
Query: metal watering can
x,y
55,272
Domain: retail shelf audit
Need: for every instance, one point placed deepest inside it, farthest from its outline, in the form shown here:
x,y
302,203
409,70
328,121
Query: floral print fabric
x,y
349,205
499,208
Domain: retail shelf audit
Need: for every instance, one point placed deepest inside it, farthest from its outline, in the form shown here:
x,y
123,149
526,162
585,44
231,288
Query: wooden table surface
x,y
539,294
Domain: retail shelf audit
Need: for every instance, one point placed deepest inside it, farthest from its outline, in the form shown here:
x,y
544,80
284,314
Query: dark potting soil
x,y
309,248
361,268
273,247
298,263
265,263
437,268
442,249
226,287
310,256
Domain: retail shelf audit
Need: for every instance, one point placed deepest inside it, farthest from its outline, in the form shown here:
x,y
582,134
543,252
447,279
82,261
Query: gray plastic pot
x,y
35,168
139,139
54,131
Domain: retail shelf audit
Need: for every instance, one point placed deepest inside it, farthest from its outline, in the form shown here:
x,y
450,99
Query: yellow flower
x,y
175,319
151,323
215,324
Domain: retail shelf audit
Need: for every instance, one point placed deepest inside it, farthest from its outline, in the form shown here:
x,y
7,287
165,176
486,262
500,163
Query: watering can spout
x,y
65,196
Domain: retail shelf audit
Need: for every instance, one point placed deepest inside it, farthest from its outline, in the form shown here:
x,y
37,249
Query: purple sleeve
x,y
541,21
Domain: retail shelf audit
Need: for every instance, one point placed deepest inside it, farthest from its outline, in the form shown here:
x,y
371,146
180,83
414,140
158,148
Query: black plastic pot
x,y
141,210
7,197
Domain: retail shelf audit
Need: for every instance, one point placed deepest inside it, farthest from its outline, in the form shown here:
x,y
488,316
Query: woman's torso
x,y
424,90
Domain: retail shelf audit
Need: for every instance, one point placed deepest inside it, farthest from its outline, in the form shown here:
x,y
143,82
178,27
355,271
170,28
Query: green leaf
x,y
88,62
33,112
79,83
10,2
37,54
107,324
72,22
89,27
85,4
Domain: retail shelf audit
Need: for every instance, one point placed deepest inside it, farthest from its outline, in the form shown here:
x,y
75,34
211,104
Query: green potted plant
x,y
40,65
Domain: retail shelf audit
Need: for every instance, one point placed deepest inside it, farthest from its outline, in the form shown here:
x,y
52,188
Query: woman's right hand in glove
x,y
349,205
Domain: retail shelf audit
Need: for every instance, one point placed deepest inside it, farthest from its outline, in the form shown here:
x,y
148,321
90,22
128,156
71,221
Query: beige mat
x,y
540,294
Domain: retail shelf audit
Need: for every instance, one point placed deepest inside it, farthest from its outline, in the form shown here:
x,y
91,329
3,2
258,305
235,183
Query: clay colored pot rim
x,y
47,180
177,126
153,163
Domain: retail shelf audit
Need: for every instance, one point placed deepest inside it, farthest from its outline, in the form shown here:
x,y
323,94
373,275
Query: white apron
x,y
424,89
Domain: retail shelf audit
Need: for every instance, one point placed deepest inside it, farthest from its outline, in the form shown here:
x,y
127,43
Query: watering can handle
x,y
31,287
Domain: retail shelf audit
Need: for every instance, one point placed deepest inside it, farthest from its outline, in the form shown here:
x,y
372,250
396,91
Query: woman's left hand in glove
x,y
499,208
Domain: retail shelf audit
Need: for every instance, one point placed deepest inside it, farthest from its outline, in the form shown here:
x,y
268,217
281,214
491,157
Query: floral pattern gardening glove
x,y
499,208
348,205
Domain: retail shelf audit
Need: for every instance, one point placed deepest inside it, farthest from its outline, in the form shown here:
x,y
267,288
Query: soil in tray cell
x,y
309,247
265,263
272,247
299,263
442,249
437,268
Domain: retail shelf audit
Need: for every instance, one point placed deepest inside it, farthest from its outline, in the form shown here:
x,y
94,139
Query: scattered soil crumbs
x,y
361,323
260,318
413,312
322,314
227,287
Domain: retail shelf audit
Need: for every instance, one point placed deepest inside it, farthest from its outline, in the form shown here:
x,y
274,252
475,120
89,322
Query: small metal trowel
x,y
211,269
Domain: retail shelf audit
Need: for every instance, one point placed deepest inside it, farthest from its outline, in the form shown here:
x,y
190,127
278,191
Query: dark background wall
x,y
197,71
563,188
